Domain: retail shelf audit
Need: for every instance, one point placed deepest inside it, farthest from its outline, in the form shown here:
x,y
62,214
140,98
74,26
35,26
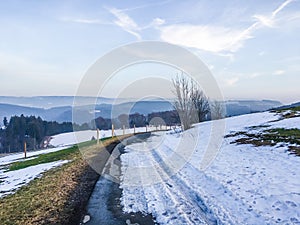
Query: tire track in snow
x,y
214,188
175,200
189,199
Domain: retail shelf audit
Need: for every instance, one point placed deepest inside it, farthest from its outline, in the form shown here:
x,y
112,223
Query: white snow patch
x,y
291,123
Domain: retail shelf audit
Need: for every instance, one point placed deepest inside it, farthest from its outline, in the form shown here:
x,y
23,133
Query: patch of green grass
x,y
270,137
65,154
43,158
283,135
294,109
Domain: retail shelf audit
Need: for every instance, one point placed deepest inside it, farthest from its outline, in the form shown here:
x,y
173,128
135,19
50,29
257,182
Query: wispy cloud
x,y
208,38
85,21
270,20
146,5
125,22
256,74
279,72
214,38
231,81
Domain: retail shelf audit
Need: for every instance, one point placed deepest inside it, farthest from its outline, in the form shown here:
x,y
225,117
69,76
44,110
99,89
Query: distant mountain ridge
x,y
51,101
106,109
239,107
59,101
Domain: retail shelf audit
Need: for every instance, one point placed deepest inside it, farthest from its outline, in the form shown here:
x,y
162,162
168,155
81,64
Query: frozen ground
x,y
243,184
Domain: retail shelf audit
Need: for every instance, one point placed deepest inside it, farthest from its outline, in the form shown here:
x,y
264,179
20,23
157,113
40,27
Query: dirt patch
x,y
295,150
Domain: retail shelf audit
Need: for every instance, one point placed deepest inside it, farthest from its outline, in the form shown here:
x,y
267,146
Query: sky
x,y
251,47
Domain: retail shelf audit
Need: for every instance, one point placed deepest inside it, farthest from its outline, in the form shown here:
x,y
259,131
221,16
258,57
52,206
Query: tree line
x,y
169,118
32,130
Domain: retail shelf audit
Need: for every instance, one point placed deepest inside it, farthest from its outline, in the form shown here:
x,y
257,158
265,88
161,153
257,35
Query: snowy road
x,y
104,204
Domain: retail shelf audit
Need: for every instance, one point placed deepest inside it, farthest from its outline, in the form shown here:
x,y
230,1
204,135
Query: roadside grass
x,y
44,158
55,197
64,154
270,137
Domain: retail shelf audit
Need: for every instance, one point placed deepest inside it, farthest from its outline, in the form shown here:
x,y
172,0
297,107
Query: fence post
x,y
112,130
123,129
98,135
133,128
25,150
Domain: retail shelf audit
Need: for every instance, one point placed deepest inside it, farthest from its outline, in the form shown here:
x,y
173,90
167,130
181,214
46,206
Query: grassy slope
x,y
58,196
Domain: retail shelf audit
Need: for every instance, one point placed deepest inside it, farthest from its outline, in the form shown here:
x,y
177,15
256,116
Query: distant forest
x,y
36,132
138,120
32,130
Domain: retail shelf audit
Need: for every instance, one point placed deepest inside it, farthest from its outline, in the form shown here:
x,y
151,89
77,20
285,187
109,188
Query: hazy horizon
x,y
132,98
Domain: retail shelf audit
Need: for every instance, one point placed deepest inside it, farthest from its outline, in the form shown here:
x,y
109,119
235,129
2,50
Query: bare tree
x,y
201,103
183,103
217,110
191,103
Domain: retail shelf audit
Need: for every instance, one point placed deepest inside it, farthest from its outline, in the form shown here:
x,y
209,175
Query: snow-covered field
x,y
72,138
243,184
